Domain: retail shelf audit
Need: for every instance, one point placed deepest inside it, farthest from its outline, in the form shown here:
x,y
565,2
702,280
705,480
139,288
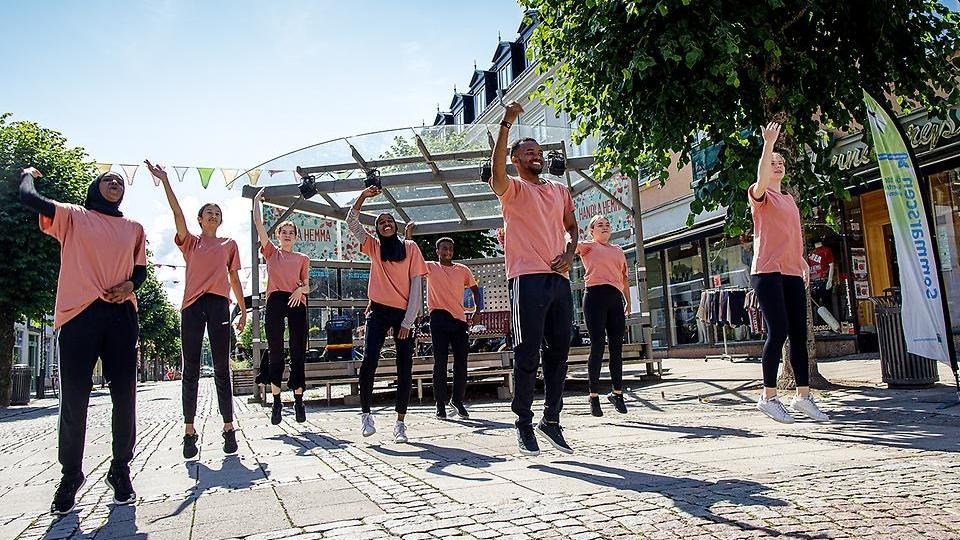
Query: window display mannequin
x,y
821,263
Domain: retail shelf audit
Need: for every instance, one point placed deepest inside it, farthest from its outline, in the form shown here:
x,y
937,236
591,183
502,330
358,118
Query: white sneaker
x,y
400,433
367,421
808,407
774,408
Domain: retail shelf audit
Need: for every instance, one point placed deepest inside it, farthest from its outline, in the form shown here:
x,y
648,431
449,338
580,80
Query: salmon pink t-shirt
x,y
534,234
97,252
389,280
445,286
285,269
605,264
209,262
777,245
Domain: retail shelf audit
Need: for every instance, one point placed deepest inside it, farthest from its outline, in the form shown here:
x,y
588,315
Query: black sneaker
x,y
65,499
554,433
230,442
527,441
300,411
275,414
595,406
119,482
441,411
190,449
618,404
461,410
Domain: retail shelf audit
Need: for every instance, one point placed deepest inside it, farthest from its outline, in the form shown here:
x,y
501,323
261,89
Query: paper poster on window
x,y
858,259
862,288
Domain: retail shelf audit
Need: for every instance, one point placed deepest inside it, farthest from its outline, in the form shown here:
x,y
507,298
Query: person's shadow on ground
x,y
691,432
442,457
694,497
121,523
479,426
232,474
306,443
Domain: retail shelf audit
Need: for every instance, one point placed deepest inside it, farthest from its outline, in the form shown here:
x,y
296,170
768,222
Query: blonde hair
x,y
296,231
594,220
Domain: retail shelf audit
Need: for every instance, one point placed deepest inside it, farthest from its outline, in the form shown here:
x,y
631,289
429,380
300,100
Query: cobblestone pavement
x,y
691,459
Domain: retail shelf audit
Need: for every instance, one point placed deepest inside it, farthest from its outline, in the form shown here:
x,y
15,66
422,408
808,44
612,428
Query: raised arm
x,y
29,196
357,230
258,218
160,174
770,135
499,182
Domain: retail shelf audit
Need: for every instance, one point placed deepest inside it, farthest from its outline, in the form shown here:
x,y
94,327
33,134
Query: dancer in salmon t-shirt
x,y
779,277
395,290
606,304
212,265
540,240
288,282
446,281
102,261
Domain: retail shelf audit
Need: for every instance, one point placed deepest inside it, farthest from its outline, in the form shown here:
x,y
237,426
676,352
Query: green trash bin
x,y
20,377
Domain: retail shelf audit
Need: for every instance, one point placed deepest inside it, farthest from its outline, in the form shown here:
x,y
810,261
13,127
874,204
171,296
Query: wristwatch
x,y
506,124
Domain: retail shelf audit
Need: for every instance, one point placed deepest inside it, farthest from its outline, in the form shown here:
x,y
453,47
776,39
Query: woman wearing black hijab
x,y
395,290
102,261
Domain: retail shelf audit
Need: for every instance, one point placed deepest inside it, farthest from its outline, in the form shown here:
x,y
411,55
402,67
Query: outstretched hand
x,y
32,172
770,133
157,171
259,196
371,191
408,230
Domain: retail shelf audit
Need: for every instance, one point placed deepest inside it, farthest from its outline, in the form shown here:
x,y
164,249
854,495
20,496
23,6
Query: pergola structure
x,y
429,175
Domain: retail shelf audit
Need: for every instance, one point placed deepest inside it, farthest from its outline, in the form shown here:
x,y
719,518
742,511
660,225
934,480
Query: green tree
x,y
655,79
159,324
28,274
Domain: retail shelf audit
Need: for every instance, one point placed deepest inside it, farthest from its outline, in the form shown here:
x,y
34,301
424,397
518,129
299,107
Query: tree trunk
x,y
7,320
787,380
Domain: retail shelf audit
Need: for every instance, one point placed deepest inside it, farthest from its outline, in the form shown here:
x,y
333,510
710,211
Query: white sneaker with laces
x,y
808,407
774,408
367,422
400,432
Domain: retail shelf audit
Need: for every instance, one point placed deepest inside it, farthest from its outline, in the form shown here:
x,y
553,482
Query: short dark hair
x,y
209,204
445,239
516,144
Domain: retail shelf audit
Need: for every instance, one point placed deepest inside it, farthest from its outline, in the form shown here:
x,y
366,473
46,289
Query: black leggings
x,y
783,302
603,311
380,320
109,332
210,311
448,333
277,310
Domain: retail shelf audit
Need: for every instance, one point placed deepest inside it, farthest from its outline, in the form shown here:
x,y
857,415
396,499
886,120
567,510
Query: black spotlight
x,y
556,163
486,172
308,186
373,179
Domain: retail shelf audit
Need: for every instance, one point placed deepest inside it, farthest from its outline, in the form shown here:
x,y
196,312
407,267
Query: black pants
x,y
210,311
109,332
603,310
448,332
783,303
277,310
380,320
541,317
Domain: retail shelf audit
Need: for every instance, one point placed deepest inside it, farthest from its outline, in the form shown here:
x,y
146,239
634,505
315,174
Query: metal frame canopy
x,y
429,175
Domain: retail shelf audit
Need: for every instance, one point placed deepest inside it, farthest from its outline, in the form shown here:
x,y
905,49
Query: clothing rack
x,y
726,354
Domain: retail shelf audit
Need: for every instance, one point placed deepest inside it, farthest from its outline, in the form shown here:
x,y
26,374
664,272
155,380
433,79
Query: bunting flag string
x,y
230,175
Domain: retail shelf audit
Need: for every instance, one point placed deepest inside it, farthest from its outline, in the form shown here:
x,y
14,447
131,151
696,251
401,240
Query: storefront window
x,y
354,284
945,198
655,294
729,261
323,283
685,269
828,279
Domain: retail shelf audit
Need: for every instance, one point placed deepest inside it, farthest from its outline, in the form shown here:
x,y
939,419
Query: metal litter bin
x,y
20,377
899,368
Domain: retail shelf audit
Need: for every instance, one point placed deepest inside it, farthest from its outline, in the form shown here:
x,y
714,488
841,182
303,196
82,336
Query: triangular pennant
x,y
205,174
254,176
104,167
180,172
274,171
130,171
229,175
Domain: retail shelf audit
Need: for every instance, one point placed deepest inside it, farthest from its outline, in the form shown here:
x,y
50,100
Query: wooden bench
x,y
632,355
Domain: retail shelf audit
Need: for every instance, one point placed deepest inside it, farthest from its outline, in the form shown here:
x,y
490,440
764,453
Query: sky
x,y
233,84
